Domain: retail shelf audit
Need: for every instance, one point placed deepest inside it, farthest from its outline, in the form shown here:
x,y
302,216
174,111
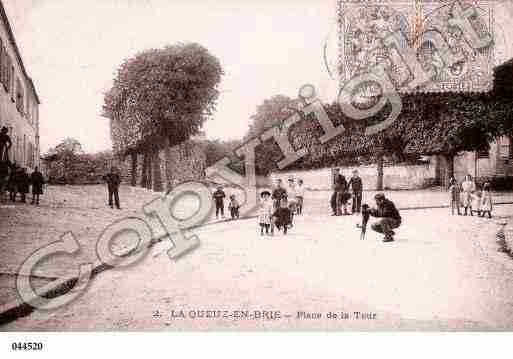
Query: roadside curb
x,y
16,309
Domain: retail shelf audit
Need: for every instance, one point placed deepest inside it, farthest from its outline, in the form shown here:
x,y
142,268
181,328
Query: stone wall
x,y
187,161
395,177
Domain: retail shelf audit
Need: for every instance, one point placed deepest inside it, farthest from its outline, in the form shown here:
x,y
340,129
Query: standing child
x,y
486,201
219,197
282,217
475,205
233,206
300,196
455,192
467,187
264,215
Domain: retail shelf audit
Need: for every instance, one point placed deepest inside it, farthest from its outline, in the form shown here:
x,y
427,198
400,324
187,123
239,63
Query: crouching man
x,y
389,217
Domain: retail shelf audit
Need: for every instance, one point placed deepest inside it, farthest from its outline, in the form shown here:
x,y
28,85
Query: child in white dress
x,y
265,212
486,201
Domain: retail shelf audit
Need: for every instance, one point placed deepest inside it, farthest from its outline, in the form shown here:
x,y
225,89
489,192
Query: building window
x,y
20,96
2,55
504,148
12,82
6,71
24,150
511,147
483,154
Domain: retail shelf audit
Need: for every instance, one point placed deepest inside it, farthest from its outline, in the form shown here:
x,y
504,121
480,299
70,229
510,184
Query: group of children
x,y
472,200
276,210
274,214
233,205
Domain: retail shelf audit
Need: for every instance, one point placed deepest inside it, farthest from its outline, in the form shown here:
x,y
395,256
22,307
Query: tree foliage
x,y
67,163
443,124
162,94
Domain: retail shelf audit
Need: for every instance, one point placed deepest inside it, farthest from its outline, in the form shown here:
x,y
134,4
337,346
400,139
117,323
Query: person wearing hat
x,y
389,217
219,197
5,144
265,213
113,181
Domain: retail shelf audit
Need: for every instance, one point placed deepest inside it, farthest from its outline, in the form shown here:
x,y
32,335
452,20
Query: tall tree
x,y
161,97
272,112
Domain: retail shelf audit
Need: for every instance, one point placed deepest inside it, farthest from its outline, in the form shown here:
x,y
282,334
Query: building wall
x,y
18,102
498,163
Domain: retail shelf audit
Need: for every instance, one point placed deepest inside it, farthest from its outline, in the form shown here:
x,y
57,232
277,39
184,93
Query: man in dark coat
x,y
12,184
37,180
339,197
113,181
4,176
23,183
357,187
390,217
219,197
279,193
5,144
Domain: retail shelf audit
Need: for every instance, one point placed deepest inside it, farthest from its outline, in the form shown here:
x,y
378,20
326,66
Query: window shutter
x,y
9,75
13,83
483,154
19,96
4,69
7,81
2,54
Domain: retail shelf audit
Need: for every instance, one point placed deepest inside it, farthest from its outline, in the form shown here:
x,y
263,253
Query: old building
x,y
498,161
19,102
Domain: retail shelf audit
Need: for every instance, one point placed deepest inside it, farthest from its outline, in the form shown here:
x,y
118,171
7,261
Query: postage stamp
x,y
424,46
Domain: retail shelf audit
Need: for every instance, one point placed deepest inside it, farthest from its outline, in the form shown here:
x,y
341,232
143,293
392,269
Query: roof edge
x,y
10,34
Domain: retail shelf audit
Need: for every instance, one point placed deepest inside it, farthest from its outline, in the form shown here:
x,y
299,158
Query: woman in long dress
x,y
467,187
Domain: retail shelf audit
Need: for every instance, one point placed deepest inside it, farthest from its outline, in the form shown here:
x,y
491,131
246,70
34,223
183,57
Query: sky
x,y
72,48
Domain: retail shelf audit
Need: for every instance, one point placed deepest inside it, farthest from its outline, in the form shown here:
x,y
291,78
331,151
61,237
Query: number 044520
x,y
26,346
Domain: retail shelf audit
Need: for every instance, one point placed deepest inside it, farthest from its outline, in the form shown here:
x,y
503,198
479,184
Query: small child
x,y
455,193
300,196
264,215
233,206
219,196
486,201
282,216
475,204
468,186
